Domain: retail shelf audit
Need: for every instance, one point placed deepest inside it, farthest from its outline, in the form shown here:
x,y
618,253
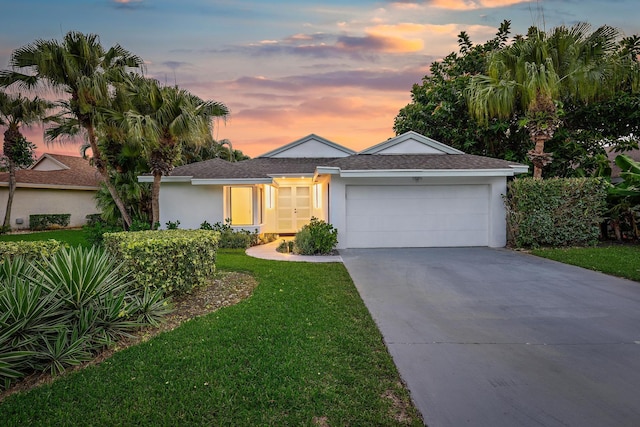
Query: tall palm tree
x,y
164,119
82,68
17,111
537,72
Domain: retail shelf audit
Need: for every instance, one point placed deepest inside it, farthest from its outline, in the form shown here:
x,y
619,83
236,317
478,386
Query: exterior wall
x,y
497,213
27,201
191,204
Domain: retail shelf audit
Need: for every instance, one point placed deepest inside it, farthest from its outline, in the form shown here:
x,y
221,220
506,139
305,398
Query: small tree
x,y
16,111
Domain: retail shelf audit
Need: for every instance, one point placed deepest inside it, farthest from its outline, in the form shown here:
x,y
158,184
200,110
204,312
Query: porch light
x,y
270,195
317,195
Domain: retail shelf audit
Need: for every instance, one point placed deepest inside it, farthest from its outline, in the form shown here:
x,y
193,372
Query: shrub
x,y
172,225
95,230
285,247
31,250
230,238
44,221
555,211
317,237
174,261
60,311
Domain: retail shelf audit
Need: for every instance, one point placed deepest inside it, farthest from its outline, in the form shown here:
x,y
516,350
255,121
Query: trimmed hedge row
x,y
30,250
44,221
555,211
175,261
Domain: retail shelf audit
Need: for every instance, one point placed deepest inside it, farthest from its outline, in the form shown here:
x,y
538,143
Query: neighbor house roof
x,y
68,172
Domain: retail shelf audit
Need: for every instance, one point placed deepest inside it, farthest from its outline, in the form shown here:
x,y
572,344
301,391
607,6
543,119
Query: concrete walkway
x,y
492,337
268,251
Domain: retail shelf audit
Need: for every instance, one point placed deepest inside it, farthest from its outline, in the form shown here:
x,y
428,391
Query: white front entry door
x,y
294,208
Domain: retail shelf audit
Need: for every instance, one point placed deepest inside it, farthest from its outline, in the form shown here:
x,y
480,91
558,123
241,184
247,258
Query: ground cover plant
x,y
614,259
71,237
60,310
302,350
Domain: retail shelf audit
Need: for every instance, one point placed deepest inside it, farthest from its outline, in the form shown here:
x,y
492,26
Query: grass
x,y
72,237
617,260
303,350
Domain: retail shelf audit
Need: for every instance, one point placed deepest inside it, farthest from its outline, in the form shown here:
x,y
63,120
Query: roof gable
x,y
310,146
47,162
57,171
411,143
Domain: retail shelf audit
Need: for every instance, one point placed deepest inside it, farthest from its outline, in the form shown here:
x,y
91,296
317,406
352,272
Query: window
x,y
241,205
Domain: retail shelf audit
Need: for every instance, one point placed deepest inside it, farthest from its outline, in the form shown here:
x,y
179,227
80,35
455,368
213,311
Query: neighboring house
x,y
409,191
54,184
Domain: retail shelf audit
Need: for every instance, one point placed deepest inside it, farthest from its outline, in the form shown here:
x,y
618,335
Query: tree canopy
x,y
441,106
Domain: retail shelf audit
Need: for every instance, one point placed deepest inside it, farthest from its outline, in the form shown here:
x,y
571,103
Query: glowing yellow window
x,y
241,206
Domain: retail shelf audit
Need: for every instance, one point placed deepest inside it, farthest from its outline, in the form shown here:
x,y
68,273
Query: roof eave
x,y
230,181
410,173
52,186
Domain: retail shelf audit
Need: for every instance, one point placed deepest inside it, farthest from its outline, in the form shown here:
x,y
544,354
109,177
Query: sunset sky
x,y
287,68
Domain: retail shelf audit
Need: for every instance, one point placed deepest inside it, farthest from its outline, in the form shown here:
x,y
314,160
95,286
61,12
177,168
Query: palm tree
x,y
16,111
537,72
163,120
81,67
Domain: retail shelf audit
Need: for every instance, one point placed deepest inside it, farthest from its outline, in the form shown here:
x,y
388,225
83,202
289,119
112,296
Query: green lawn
x,y
617,260
303,350
72,237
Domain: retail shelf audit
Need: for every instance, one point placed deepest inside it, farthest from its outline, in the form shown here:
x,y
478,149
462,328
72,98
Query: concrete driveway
x,y
492,337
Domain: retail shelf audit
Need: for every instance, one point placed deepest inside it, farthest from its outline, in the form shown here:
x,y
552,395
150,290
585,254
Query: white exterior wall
x,y
27,201
191,204
497,213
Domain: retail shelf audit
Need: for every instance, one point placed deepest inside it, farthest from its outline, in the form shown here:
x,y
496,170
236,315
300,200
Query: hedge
x,y
175,261
30,250
555,211
44,221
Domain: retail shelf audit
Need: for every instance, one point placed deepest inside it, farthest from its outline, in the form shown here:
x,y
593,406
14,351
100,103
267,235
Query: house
x,y
54,184
409,191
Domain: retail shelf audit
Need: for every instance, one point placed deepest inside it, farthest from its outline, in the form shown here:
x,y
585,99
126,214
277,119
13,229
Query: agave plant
x,y
81,276
152,307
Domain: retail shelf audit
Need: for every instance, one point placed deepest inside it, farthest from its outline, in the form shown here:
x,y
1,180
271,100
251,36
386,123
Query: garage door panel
x,y
417,216
424,222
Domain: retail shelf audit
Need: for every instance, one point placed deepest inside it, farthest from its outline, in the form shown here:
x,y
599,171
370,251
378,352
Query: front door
x,y
294,208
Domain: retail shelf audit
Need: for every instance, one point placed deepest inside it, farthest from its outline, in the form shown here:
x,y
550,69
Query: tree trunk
x,y
155,200
102,169
12,189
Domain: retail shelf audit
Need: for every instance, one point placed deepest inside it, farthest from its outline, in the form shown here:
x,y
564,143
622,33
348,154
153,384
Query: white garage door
x,y
417,216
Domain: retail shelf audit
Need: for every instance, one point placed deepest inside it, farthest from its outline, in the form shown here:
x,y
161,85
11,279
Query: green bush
x,y
230,238
555,211
174,261
45,221
60,311
31,250
317,237
95,230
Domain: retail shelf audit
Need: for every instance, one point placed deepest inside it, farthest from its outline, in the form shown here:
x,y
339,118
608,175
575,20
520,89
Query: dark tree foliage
x,y
439,110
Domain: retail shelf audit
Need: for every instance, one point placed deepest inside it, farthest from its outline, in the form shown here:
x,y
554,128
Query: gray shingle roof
x,y
253,168
79,174
266,167
419,161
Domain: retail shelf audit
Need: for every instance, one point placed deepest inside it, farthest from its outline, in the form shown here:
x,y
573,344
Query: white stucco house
x,y
54,184
409,191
